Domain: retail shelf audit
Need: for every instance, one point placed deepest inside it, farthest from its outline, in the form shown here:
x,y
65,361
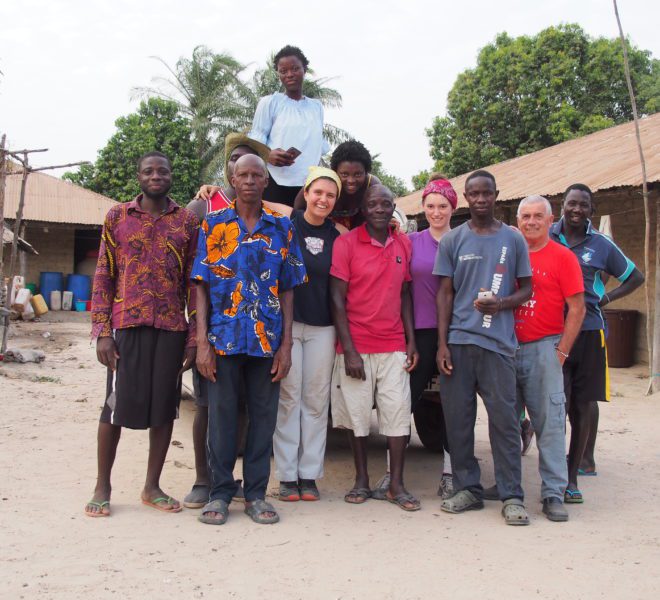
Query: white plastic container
x,y
22,300
67,300
56,300
18,284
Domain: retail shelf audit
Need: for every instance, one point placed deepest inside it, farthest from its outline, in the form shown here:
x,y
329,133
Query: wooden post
x,y
3,176
14,250
654,384
652,348
22,256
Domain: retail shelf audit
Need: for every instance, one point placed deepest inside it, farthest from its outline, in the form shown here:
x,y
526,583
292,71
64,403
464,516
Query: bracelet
x,y
560,352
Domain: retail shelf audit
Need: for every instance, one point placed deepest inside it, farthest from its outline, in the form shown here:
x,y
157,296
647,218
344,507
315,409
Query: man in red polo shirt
x,y
372,311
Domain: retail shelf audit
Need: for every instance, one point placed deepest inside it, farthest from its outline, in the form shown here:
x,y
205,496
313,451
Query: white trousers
x,y
302,417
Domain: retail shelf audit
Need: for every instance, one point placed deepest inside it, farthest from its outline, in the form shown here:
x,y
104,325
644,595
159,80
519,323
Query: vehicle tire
x,y
430,423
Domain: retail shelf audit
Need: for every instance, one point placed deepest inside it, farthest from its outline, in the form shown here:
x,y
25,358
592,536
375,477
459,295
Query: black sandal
x,y
257,508
215,506
358,495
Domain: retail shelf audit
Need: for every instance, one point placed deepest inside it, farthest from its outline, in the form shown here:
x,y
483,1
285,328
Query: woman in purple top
x,y
439,202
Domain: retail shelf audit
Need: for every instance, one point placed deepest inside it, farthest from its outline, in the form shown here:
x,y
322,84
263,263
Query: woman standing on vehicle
x,y
292,125
302,418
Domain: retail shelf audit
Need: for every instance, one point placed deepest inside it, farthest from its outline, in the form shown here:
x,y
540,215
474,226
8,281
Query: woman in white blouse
x,y
292,125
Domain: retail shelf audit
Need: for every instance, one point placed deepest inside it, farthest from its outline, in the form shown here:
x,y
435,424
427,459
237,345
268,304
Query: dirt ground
x,y
610,548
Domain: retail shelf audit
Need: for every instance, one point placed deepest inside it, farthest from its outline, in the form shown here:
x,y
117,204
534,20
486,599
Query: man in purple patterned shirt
x,y
141,292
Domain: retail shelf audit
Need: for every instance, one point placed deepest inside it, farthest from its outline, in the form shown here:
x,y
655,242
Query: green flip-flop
x,y
158,504
100,506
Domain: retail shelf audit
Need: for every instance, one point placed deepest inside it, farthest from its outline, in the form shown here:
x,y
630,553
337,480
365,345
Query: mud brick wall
x,y
55,244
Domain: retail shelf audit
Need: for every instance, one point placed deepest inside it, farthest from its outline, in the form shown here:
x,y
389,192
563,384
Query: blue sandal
x,y
573,497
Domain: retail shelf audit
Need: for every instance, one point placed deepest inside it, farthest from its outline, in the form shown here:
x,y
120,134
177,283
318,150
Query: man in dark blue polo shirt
x,y
585,371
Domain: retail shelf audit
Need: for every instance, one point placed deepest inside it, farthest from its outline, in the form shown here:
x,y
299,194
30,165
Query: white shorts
x,y
387,383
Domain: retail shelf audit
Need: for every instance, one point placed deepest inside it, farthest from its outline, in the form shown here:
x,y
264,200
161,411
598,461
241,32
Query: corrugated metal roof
x,y
602,160
53,200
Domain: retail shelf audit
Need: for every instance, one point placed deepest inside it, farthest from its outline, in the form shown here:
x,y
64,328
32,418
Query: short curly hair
x,y
580,187
289,50
351,151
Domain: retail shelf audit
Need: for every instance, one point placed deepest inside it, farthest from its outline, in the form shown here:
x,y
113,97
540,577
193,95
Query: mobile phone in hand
x,y
484,295
294,152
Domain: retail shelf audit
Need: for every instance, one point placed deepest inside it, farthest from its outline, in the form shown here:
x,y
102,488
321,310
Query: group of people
x,y
295,295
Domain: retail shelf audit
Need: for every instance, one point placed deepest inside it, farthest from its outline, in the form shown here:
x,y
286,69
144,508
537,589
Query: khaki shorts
x,y
388,383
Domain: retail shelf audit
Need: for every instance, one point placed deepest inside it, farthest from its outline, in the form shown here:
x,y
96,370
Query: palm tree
x,y
208,90
211,90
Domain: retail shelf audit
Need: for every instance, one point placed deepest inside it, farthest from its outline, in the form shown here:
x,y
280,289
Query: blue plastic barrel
x,y
80,285
49,281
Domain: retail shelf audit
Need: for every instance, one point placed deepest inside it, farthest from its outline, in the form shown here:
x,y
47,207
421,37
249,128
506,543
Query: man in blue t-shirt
x,y
484,274
585,369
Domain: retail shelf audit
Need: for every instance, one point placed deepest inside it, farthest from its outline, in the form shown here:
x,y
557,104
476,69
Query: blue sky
x,y
69,66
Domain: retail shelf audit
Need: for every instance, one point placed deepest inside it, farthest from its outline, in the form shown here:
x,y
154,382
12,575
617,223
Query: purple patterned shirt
x,y
143,274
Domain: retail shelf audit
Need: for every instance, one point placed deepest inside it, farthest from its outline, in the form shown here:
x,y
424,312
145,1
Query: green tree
x,y
156,125
394,183
528,93
214,93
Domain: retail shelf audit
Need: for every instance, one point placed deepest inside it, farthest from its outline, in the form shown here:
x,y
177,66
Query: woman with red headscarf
x,y
439,201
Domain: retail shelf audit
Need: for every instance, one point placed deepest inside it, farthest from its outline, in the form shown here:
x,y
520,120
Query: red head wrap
x,y
443,187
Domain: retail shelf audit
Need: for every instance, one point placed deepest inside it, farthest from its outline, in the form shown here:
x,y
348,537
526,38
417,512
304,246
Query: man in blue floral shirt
x,y
248,262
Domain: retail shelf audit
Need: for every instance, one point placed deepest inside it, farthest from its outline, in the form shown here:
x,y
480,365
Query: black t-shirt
x,y
311,300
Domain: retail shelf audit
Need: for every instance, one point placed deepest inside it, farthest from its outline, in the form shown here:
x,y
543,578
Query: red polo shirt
x,y
375,275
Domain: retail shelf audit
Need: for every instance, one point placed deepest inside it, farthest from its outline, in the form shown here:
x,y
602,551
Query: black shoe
x,y
308,490
289,491
554,509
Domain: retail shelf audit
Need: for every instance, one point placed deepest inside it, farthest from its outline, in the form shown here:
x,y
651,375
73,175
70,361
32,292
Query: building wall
x,y
628,228
55,244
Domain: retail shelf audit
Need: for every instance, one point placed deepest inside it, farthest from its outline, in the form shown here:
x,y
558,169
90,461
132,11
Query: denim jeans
x,y
493,375
261,399
540,388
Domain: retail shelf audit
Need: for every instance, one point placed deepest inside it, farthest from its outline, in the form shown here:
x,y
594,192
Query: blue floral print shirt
x,y
245,273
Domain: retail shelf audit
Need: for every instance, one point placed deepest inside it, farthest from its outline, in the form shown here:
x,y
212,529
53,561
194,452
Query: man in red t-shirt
x,y
546,337
372,312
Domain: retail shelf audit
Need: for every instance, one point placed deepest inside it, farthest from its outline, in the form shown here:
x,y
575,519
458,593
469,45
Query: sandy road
x,y
48,414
